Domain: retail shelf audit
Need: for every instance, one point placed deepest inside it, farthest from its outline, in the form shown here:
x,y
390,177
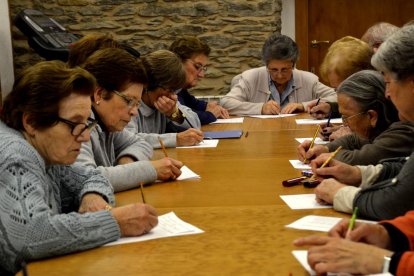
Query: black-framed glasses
x,y
198,66
130,101
78,128
345,119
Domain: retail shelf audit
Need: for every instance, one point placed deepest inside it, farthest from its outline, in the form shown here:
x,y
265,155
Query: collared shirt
x,y
281,99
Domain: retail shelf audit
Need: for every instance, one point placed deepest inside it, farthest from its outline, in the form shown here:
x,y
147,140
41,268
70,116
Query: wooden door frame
x,y
301,33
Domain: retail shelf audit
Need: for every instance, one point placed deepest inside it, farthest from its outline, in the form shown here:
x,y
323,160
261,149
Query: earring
x,y
97,102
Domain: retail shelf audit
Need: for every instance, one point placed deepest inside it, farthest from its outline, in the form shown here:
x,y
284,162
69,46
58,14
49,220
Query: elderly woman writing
x,y
49,207
373,119
121,155
277,87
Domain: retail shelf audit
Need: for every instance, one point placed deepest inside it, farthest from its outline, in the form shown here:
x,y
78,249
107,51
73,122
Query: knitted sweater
x,y
39,203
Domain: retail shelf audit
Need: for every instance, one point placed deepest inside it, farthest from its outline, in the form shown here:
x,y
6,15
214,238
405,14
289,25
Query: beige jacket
x,y
250,90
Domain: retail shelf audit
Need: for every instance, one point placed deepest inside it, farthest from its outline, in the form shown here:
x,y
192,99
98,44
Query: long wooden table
x,y
236,202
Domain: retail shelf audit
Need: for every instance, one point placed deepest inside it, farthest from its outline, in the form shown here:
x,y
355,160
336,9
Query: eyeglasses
x,y
345,119
78,129
282,71
130,102
198,66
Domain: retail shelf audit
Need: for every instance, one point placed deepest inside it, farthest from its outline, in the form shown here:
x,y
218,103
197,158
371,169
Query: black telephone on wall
x,y
46,36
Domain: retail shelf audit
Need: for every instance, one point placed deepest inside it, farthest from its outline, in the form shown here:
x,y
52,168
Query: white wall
x,y
6,53
288,18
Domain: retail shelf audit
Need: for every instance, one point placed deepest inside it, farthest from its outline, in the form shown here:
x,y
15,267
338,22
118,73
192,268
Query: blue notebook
x,y
223,134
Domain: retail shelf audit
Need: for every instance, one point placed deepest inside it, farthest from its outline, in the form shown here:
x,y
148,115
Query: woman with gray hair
x,y
276,87
373,119
386,247
160,115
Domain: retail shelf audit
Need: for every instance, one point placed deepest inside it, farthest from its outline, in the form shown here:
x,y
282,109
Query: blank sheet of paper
x,y
186,173
303,201
299,165
318,223
207,143
229,121
318,141
169,225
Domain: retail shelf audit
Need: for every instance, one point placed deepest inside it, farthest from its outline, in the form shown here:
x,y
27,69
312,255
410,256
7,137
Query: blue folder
x,y
223,134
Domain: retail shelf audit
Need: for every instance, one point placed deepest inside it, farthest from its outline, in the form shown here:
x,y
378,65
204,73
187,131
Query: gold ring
x,y
108,207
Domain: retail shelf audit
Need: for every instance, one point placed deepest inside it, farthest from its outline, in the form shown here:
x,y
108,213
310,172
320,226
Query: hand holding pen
x,y
271,108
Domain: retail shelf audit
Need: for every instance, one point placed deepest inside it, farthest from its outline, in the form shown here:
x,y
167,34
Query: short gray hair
x,y
367,88
279,47
396,54
378,33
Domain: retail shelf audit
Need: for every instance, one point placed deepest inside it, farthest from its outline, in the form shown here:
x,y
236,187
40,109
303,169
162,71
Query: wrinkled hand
x,y
342,172
135,219
92,202
342,131
217,110
328,254
270,108
190,137
167,168
293,107
374,234
309,154
319,111
326,190
325,131
166,104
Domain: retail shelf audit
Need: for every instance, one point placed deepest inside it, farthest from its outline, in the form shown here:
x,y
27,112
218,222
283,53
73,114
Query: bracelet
x,y
108,207
386,264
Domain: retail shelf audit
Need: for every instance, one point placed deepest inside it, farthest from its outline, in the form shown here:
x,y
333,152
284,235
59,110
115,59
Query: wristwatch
x,y
386,264
176,113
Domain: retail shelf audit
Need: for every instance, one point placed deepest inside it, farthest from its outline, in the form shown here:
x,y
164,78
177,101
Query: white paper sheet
x,y
186,173
207,143
169,225
317,122
318,223
229,121
303,201
272,116
299,165
318,141
302,257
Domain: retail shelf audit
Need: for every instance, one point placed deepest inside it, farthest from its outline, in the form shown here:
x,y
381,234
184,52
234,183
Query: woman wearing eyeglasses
x,y
276,87
377,132
122,156
160,115
194,56
48,206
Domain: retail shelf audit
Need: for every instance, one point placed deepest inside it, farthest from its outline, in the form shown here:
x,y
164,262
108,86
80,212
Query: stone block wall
x,y
235,30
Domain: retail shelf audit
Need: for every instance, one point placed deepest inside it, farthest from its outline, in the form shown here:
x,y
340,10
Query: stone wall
x,y
235,30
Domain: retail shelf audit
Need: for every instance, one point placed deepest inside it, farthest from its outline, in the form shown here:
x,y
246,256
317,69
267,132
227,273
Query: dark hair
x,y
84,47
115,69
367,88
279,47
188,46
164,69
39,90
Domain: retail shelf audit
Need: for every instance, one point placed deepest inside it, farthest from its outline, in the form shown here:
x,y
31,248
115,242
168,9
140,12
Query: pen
x,y
188,122
163,147
313,141
351,223
141,188
247,134
317,102
329,119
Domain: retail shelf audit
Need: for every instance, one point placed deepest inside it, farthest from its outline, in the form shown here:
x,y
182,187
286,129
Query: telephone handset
x,y
46,36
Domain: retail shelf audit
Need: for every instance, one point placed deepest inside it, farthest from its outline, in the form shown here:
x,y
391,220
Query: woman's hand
x,y
326,190
293,107
166,104
135,219
190,137
92,202
319,111
167,168
270,108
217,110
305,153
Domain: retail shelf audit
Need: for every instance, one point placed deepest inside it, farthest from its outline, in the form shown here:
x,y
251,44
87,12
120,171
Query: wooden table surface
x,y
236,202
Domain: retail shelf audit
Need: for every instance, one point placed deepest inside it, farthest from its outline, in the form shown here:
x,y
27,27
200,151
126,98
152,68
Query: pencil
x,y
351,223
141,188
333,154
163,147
313,141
